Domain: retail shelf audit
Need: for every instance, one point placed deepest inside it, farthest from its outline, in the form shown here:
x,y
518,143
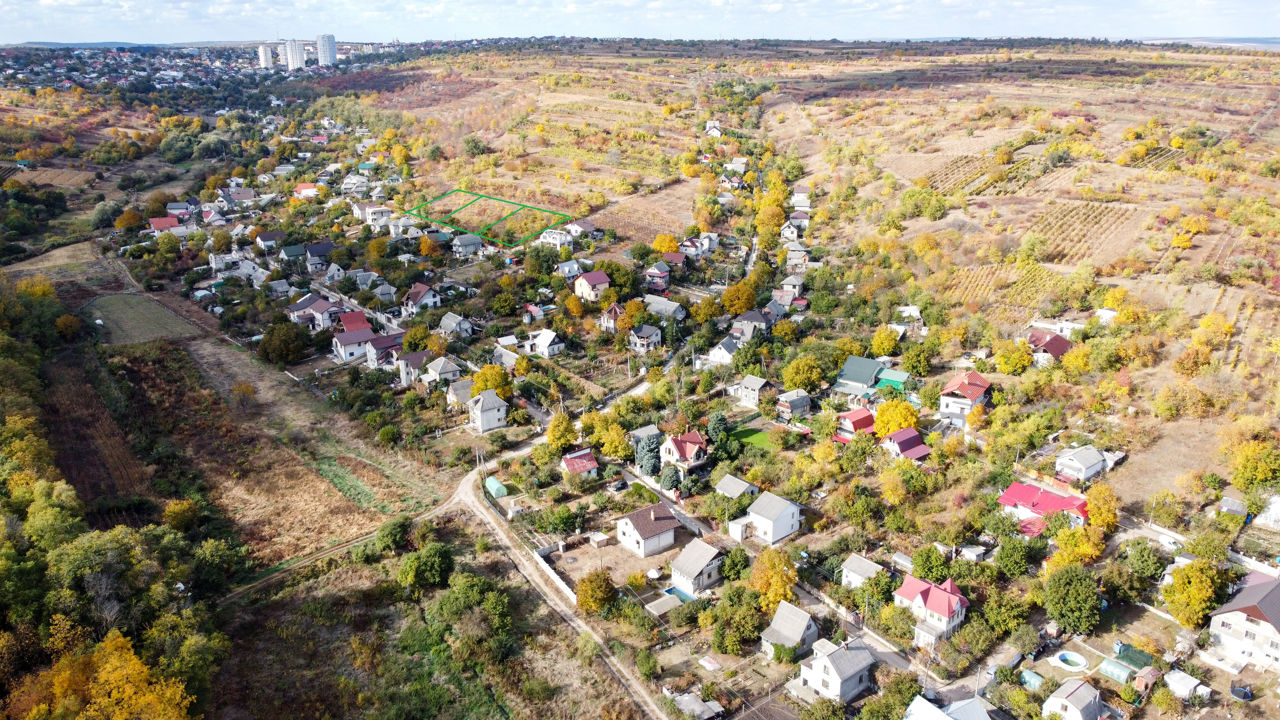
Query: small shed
x,y
903,562
494,487
1116,671
663,605
1146,679
1181,684
1031,680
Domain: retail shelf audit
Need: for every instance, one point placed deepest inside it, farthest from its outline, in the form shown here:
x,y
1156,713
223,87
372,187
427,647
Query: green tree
x,y
736,563
918,360
718,428
648,459
1143,559
1014,557
284,342
823,709
429,567
1071,599
928,564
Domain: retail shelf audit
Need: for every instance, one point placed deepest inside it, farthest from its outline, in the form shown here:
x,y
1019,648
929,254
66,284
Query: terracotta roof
x,y
1042,502
580,461
168,222
688,443
968,384
1052,343
860,419
652,521
417,291
944,599
353,321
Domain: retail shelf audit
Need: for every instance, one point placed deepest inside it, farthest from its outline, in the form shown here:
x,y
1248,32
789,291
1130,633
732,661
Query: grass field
x,y
758,438
130,319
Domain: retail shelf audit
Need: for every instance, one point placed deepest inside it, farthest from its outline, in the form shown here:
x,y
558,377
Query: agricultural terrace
x,y
500,221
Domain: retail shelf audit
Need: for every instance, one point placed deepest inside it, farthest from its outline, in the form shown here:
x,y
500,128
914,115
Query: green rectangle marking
x,y
422,212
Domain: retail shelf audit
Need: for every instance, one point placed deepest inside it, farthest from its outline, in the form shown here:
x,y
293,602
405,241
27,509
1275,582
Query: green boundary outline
x,y
477,196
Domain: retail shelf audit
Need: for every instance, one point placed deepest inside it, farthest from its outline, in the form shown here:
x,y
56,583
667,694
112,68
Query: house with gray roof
x,y
748,390
465,246
488,412
856,570
1075,699
697,567
459,392
791,628
1246,630
834,672
664,308
1081,463
734,487
454,324
793,405
857,376
770,519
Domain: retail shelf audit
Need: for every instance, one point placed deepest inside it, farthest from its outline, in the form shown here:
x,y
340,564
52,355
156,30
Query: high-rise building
x,y
266,60
295,54
326,50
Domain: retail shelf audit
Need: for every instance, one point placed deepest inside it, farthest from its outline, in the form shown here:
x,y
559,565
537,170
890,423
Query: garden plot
x,y
959,173
130,319
1074,231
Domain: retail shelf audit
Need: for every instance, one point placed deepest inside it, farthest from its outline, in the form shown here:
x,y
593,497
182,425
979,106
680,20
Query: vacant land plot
x,y
130,319
757,438
67,262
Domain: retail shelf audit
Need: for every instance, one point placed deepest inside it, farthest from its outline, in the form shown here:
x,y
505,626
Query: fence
x,y
539,557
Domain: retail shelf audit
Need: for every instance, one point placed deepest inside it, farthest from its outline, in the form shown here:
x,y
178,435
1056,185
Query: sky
x,y
176,21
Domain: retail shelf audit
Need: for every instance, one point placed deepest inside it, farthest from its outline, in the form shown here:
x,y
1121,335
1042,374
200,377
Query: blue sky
x,y
411,20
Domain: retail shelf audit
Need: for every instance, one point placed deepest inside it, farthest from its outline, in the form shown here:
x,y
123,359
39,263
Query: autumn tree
x,y
67,326
561,434
1103,506
573,305
491,377
884,342
415,338
706,310
739,297
615,443
1012,358
894,415
665,244
596,591
787,331
128,220
803,373
1193,592
774,576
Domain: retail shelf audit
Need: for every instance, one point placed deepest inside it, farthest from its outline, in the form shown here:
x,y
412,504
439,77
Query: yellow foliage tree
x,y
665,244
1103,506
894,415
491,377
884,342
774,576
561,434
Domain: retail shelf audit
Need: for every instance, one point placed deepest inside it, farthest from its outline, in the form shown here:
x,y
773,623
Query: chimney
x,y
653,515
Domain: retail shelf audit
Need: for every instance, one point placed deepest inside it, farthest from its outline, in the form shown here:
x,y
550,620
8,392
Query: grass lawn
x,y
758,438
136,319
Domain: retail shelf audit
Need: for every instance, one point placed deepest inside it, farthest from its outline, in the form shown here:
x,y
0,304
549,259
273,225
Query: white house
x,y
351,345
967,709
748,390
464,246
1246,630
442,369
644,339
834,672
590,286
418,297
454,324
488,412
1075,699
793,405
544,342
791,627
939,609
662,307
770,518
721,354
555,238
961,395
697,567
1081,463
856,570
648,531
409,366
685,452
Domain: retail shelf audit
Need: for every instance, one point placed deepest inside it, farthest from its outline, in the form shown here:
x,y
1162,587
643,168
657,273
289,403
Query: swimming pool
x,y
684,596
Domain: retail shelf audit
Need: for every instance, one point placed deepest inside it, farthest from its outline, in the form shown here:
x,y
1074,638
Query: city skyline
x,y
83,21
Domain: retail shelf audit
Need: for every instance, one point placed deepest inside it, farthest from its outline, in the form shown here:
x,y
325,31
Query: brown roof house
x,y
648,531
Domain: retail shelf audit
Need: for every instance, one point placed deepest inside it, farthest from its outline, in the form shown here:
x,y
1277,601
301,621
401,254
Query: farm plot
x,y
978,284
1073,231
1158,158
59,177
130,319
1007,181
958,174
641,217
7,171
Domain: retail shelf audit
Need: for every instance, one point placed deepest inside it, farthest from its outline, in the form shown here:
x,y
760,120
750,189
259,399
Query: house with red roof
x,y
161,224
939,609
906,443
961,395
1031,505
853,422
580,462
686,452
354,321
305,190
1047,347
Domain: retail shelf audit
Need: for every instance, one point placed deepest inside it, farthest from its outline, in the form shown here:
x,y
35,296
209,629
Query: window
x,y
1226,625
824,684
1250,635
